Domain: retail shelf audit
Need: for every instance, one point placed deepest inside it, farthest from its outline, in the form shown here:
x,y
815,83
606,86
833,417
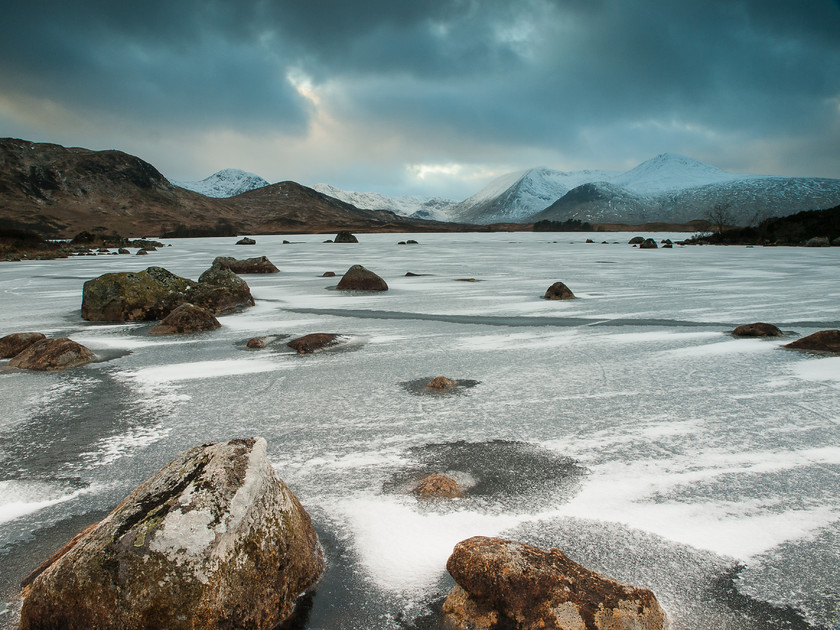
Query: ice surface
x,y
695,451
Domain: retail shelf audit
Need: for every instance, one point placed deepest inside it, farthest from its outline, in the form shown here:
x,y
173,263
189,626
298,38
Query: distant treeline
x,y
572,225
794,229
223,227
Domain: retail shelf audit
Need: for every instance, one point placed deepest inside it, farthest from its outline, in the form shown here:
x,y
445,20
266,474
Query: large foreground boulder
x,y
358,278
514,585
559,291
49,355
260,264
14,344
822,341
155,292
187,318
213,540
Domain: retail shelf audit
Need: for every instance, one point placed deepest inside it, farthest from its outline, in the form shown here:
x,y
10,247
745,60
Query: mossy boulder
x,y
187,318
213,540
48,355
153,293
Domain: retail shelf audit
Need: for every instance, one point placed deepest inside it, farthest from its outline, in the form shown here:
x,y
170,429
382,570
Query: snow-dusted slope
x,y
409,206
228,182
668,188
515,196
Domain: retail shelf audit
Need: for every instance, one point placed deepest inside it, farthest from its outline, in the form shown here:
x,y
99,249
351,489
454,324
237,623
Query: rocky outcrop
x,y
757,329
345,237
821,341
441,383
246,241
260,264
52,354
155,292
358,278
14,344
514,585
187,318
312,342
559,291
213,540
438,486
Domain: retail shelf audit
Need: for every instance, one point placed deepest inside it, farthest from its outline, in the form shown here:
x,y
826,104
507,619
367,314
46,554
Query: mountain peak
x,y
228,182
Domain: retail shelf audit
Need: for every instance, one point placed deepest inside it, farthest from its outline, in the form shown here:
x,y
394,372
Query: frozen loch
x,y
626,427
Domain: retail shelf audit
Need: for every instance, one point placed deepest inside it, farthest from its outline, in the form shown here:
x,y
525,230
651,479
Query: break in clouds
x,y
382,86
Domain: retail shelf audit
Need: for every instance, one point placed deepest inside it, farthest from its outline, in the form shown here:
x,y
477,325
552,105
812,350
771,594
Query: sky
x,y
430,97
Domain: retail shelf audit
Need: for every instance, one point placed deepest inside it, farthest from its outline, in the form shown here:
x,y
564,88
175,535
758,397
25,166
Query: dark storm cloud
x,y
541,73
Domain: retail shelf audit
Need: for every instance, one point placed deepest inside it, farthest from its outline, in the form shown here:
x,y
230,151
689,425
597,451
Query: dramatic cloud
x,y
428,96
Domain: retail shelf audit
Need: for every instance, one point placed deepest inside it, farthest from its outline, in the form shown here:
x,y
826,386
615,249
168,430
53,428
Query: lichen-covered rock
x,y
187,318
438,486
345,237
757,329
13,344
220,291
822,341
559,291
358,278
523,587
441,383
128,296
260,264
213,540
312,342
52,354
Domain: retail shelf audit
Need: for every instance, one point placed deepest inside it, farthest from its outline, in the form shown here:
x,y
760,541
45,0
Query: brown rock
x,y
260,264
312,342
13,344
358,278
213,540
185,319
823,341
220,291
52,354
559,291
328,274
442,383
465,280
438,486
758,329
345,237
524,587
256,343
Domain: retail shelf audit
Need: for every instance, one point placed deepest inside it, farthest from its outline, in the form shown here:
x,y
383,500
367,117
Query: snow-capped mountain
x,y
515,196
668,188
416,207
228,182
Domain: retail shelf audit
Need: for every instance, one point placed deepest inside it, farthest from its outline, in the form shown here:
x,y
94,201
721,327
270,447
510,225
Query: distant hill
x,y
58,192
228,182
668,188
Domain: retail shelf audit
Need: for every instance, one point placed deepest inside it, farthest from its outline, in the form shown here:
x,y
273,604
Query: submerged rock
x,y
328,274
559,291
438,486
260,264
13,344
187,318
213,540
358,278
514,585
345,237
822,341
52,354
757,329
441,383
256,343
312,342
